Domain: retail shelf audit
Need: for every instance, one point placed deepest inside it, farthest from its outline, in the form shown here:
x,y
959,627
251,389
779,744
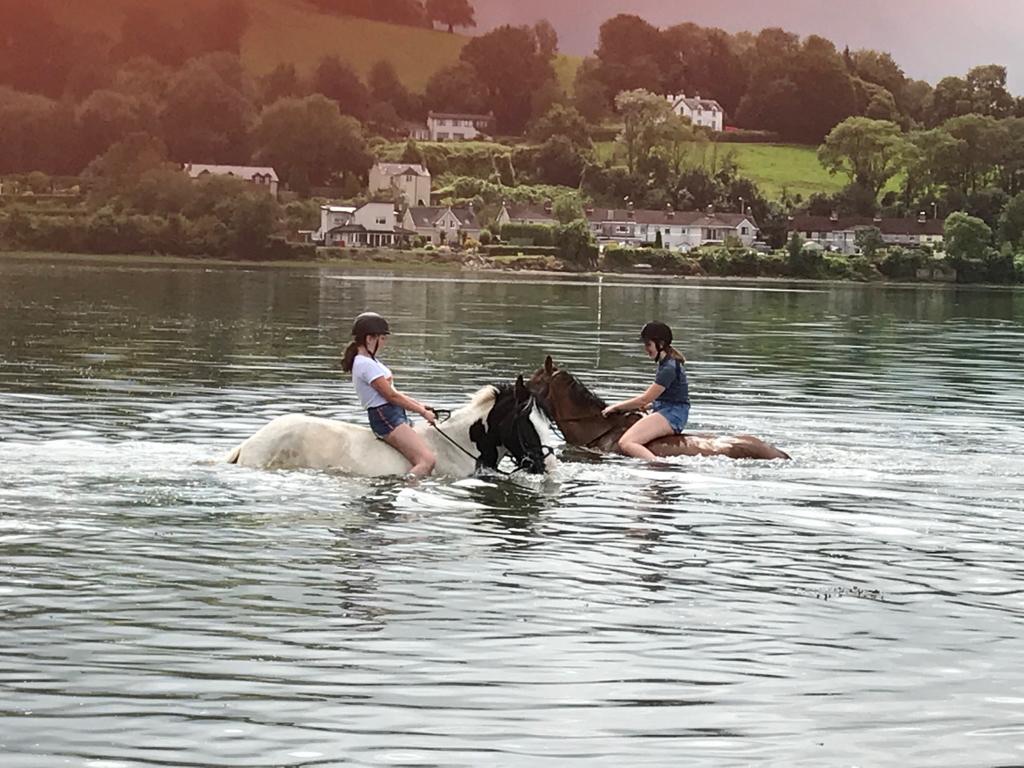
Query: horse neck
x,y
582,425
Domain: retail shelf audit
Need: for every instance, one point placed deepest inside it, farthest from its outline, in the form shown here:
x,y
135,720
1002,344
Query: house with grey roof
x,y
263,176
372,225
443,224
839,233
679,230
704,112
409,183
526,213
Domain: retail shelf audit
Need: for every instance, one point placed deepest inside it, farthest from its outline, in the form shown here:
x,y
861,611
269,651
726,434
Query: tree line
x,y
776,81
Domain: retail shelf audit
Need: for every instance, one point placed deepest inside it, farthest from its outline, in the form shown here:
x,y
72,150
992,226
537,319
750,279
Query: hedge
x,y
528,234
525,250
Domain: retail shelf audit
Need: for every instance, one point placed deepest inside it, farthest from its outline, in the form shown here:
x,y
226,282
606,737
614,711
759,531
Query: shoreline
x,y
412,264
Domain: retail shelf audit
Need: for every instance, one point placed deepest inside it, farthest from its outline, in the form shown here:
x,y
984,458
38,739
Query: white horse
x,y
498,421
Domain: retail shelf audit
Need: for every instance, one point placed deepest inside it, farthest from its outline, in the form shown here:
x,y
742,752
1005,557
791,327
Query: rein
x,y
603,435
443,416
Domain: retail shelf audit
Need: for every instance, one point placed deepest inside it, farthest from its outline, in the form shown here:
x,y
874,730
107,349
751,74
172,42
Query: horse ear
x,y
549,365
522,393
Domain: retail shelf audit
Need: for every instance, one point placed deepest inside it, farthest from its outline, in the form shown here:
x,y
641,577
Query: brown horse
x,y
577,412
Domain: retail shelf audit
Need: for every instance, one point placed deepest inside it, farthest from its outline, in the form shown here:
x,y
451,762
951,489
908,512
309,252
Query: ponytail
x,y
674,353
349,358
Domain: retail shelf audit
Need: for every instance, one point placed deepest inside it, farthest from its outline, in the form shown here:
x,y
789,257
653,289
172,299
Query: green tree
x,y
107,116
869,151
560,162
590,96
309,141
987,85
982,141
281,82
951,98
628,54
336,80
32,134
206,119
386,87
1011,222
645,119
564,121
456,89
511,68
547,38
869,241
451,13
966,237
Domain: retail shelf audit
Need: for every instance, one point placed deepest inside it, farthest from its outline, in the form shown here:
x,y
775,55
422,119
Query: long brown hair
x,y
349,358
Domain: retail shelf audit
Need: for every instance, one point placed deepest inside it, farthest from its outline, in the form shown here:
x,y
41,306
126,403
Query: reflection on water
x,y
859,605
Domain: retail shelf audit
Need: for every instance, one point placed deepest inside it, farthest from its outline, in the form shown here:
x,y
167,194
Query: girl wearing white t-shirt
x,y
385,406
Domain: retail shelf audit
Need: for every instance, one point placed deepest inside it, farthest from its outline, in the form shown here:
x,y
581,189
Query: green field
x,y
773,167
291,31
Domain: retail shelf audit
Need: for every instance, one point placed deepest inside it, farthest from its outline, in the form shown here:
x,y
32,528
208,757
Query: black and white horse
x,y
499,421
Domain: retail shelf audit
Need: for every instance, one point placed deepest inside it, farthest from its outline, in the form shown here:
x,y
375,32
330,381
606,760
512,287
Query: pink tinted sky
x,y
929,38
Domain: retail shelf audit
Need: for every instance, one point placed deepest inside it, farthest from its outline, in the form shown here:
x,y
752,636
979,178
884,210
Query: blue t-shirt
x,y
672,376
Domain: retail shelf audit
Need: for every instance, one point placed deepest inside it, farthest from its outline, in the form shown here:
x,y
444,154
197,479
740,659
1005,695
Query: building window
x,y
744,231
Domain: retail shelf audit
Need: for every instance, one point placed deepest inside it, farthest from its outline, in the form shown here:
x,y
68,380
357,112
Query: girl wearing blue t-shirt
x,y
385,406
670,395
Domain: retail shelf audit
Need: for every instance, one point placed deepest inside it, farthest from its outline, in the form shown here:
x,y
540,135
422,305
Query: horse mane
x,y
581,395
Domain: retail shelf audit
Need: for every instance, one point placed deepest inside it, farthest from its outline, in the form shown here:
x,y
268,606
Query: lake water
x,y
860,605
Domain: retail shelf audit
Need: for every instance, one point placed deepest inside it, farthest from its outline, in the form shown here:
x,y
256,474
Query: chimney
x,y
922,217
630,213
710,209
548,205
834,216
670,211
877,219
589,210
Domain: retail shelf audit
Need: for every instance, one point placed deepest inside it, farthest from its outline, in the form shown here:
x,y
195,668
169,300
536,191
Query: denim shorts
x,y
385,419
677,414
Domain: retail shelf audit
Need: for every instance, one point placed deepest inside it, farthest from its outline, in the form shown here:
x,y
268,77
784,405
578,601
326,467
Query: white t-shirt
x,y
364,371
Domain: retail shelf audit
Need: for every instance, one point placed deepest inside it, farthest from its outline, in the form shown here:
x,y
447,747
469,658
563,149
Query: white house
x,y
262,176
454,126
840,233
408,182
371,224
705,112
526,213
679,230
442,224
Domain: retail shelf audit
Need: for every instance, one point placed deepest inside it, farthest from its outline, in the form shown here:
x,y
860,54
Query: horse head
x,y
516,426
574,408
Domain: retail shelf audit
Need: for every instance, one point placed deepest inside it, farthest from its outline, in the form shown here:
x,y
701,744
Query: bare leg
x,y
634,441
414,448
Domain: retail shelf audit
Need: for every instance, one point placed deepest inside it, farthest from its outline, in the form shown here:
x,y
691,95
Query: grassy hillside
x,y
291,31
773,167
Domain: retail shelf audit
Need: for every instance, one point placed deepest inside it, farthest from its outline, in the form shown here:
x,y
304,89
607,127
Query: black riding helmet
x,y
657,332
370,324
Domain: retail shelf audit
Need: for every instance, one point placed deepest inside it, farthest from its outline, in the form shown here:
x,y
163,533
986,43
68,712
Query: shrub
x,y
528,234
901,263
486,237
525,250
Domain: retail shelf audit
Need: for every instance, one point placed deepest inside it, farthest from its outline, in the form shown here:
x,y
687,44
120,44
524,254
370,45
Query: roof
x,y
428,215
247,172
358,228
525,211
401,169
666,217
461,116
338,208
906,226
695,102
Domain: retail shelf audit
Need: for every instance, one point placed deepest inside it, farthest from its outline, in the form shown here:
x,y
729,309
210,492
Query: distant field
x,y
773,167
291,31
